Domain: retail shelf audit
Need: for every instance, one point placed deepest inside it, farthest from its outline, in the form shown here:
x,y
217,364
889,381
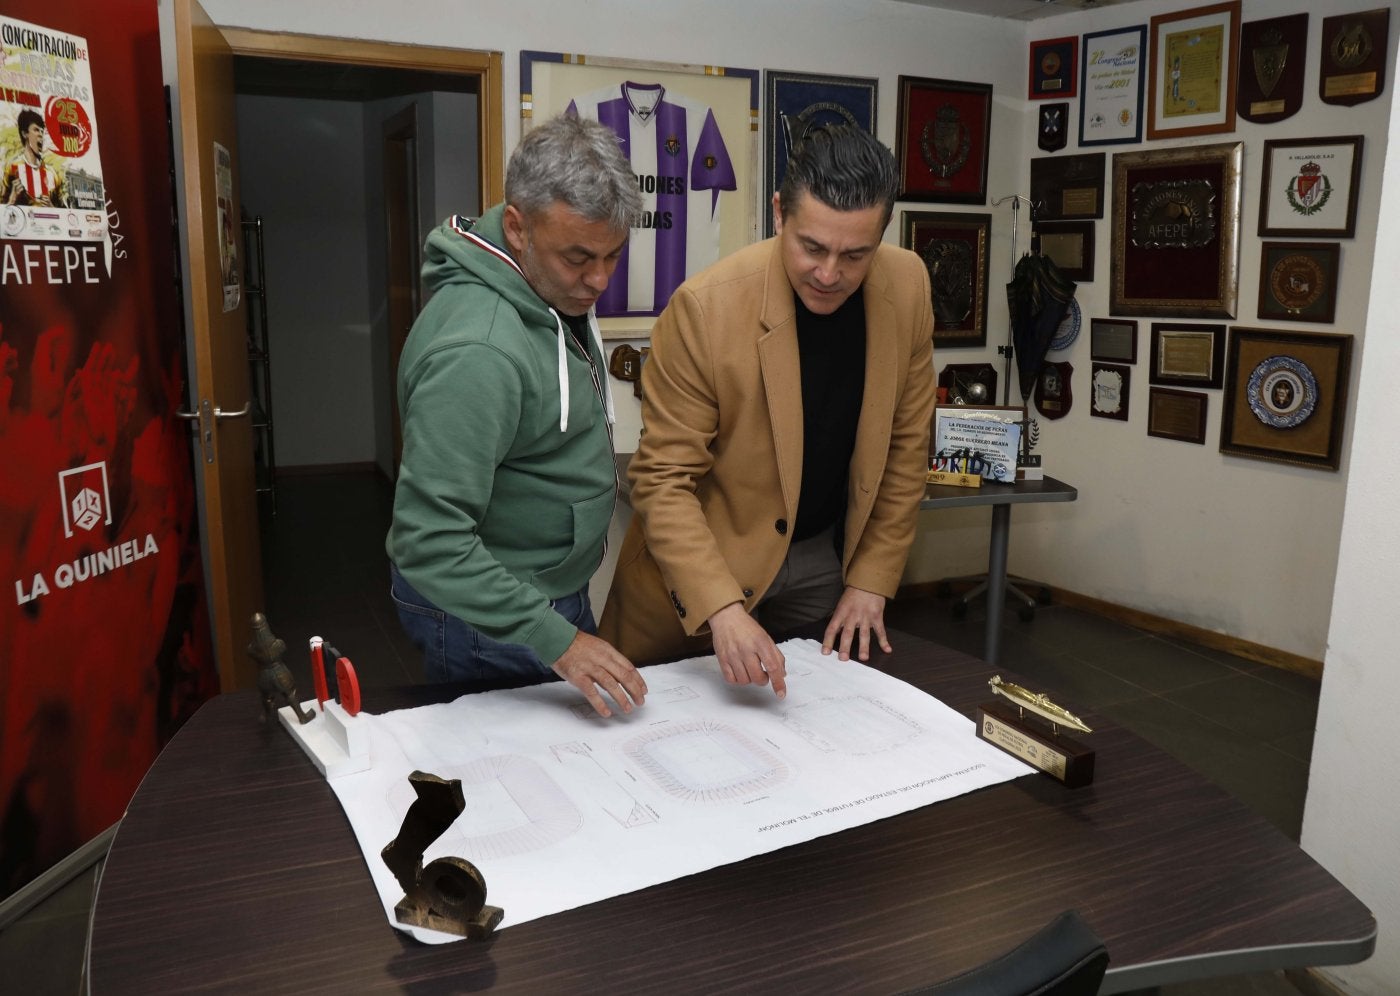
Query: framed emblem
x,y
1298,281
944,135
1309,186
797,102
954,248
1054,68
1286,396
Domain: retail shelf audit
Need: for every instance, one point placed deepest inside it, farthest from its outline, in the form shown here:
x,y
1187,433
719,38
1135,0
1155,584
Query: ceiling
x,y
1019,10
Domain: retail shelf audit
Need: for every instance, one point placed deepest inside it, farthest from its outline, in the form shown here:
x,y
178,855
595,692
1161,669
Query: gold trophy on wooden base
x,y
1006,725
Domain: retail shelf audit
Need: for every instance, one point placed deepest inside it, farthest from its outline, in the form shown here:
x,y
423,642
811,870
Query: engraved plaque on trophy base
x,y
1034,741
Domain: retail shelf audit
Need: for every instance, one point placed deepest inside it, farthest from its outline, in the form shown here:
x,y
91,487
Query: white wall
x,y
301,168
1352,820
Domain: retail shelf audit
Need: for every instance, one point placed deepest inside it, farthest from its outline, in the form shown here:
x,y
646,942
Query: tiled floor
x,y
1246,726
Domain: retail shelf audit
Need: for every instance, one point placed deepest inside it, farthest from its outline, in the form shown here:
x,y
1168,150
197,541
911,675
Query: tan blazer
x,y
717,472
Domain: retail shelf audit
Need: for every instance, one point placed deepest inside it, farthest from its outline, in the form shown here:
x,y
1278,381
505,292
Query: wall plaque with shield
x,y
954,248
945,129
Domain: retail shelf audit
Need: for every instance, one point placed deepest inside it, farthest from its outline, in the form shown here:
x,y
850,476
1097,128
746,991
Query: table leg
x,y
996,580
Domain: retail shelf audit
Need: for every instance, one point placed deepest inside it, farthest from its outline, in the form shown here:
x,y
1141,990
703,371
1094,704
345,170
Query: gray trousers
x,y
807,588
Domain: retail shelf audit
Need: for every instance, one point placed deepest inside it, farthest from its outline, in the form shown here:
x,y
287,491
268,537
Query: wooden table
x,y
235,870
1000,497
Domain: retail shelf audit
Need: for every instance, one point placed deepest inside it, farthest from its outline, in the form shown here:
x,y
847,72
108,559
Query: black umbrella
x,y
1038,295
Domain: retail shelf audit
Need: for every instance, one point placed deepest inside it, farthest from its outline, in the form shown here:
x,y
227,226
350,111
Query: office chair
x,y
1064,958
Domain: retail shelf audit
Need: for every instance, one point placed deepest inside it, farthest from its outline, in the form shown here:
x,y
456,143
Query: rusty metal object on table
x,y
275,680
450,893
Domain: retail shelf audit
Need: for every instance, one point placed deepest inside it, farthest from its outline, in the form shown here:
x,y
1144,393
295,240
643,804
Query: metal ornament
x,y
945,142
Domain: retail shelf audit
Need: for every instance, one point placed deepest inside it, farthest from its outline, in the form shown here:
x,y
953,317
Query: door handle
x,y
206,417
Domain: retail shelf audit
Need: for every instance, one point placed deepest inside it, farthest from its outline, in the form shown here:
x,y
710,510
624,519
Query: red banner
x,y
104,637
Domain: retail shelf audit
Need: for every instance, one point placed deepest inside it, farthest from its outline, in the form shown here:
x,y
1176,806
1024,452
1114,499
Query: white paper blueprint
x,y
564,808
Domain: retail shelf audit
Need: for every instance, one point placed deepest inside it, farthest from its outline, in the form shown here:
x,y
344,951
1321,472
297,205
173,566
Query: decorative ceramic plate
x,y
1282,392
1068,329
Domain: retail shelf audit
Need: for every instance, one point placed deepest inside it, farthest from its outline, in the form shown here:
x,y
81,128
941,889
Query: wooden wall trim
x,y
1159,625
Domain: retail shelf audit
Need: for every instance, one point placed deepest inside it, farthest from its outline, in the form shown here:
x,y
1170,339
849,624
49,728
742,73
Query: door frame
x,y
485,66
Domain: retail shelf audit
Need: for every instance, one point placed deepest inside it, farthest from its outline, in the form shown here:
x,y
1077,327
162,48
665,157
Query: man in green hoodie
x,y
507,481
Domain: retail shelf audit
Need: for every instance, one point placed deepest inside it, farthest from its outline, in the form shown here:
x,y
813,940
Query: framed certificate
x,y
1175,414
1110,383
1071,245
1193,68
1110,104
977,440
1187,355
1113,339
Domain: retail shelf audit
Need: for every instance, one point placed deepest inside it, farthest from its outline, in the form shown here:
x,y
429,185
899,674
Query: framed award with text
x,y
1353,58
1053,69
1110,103
1192,69
1187,355
1273,53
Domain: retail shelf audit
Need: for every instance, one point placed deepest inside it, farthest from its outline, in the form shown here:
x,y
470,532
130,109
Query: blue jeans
x,y
458,652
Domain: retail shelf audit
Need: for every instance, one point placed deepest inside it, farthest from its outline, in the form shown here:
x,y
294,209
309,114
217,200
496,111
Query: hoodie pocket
x,y
590,521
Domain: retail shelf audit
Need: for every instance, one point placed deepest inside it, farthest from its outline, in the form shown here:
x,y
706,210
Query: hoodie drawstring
x,y
604,388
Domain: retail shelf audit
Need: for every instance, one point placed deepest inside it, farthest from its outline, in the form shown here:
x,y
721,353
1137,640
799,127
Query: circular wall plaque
x,y
1282,392
1068,329
1297,281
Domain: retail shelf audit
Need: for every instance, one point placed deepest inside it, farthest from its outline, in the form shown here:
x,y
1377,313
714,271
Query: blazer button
x,y
781,526
748,593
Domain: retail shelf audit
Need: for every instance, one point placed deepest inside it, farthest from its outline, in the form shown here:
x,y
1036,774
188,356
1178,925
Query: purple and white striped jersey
x,y
682,164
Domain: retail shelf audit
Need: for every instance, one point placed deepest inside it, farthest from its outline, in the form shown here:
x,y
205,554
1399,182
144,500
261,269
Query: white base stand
x,y
336,741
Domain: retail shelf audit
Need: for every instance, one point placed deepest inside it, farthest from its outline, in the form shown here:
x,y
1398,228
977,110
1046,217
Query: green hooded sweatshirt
x,y
507,483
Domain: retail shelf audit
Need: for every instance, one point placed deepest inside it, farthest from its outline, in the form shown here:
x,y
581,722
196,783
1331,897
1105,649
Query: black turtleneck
x,y
832,352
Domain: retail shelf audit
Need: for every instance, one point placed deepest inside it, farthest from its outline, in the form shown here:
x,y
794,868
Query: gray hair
x,y
578,162
844,167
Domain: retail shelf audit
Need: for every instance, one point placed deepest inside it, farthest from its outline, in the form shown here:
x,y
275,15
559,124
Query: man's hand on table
x,y
590,664
747,654
858,614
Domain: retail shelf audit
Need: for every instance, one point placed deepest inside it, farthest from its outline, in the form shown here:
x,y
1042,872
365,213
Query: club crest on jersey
x,y
673,145
1308,191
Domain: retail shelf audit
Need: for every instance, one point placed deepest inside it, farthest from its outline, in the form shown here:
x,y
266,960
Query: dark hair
x,y
844,167
576,161
27,118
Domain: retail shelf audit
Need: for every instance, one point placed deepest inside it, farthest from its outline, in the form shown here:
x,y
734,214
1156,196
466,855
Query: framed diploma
x,y
944,130
1298,281
796,102
1193,68
1309,187
1286,396
1110,104
1109,383
1113,340
1054,70
1187,355
1176,231
953,245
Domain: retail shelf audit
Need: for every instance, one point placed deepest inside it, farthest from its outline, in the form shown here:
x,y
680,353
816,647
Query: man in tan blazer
x,y
785,422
